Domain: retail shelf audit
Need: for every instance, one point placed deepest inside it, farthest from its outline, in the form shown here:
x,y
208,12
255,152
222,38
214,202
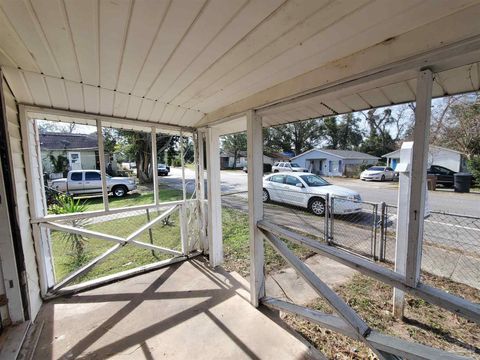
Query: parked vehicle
x,y
308,191
90,181
444,176
287,166
163,169
381,173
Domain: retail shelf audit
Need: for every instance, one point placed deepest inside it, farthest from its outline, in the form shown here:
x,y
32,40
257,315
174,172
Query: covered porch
x,y
200,70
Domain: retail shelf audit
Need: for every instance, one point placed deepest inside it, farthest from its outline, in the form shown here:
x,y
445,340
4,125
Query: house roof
x,y
194,63
391,154
343,154
62,141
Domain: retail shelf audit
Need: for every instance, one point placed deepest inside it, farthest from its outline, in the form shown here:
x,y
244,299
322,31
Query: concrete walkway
x,y
184,311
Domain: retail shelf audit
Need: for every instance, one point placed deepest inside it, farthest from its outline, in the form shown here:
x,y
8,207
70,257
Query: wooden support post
x,y
103,168
215,238
156,197
412,193
200,188
183,209
255,205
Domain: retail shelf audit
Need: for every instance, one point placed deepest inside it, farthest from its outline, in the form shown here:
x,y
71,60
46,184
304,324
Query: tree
x,y
234,144
299,136
343,133
59,162
461,127
379,140
137,145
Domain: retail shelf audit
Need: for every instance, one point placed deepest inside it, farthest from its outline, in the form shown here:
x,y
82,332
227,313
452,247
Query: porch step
x,y
184,311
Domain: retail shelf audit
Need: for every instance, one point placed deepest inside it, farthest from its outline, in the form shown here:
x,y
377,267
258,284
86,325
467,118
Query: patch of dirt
x,y
423,323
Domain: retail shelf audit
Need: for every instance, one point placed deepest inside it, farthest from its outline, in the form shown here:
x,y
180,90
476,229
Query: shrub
x,y
65,204
474,167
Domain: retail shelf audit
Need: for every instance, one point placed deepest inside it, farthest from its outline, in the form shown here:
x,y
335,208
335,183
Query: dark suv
x,y
163,170
444,176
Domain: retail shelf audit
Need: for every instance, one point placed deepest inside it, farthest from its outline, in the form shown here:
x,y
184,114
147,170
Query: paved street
x,y
441,200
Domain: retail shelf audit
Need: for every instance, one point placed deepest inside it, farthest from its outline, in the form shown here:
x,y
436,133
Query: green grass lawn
x,y
237,246
235,237
127,257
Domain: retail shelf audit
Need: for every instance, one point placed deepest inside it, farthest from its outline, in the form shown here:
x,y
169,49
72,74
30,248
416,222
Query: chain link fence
x,y
355,226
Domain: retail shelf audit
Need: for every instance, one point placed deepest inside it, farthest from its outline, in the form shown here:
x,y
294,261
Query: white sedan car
x,y
380,173
308,190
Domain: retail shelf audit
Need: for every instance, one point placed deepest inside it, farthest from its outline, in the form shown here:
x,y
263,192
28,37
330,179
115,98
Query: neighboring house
x,y
272,158
329,162
227,160
451,159
81,150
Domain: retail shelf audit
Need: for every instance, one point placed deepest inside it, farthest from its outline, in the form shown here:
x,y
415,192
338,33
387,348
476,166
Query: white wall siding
x,y
449,159
22,204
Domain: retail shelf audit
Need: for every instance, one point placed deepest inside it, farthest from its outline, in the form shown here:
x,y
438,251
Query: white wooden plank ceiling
x,y
179,61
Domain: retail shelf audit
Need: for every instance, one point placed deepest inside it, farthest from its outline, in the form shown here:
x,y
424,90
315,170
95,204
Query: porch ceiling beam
x,y
105,118
432,295
351,71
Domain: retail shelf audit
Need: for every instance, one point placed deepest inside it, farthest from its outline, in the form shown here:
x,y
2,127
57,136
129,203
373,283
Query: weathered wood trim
x,y
214,230
388,344
97,213
103,168
418,174
83,232
148,225
322,289
432,295
255,205
106,118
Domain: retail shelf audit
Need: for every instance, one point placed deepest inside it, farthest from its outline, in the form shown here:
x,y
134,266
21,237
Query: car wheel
x,y
383,178
317,206
119,191
265,196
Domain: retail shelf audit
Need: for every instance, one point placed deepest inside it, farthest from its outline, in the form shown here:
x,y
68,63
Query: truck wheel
x,y
119,191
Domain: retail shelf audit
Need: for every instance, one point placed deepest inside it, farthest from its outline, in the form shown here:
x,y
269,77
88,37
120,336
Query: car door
x,y
93,182
293,193
75,182
276,183
389,173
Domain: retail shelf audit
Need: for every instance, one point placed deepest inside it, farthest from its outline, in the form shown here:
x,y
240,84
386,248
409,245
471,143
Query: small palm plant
x,y
65,204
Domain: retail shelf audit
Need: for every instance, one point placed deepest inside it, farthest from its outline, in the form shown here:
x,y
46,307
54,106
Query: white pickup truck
x,y
90,181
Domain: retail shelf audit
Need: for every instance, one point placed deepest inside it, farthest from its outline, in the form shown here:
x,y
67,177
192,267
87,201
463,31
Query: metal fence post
x,y
383,231
326,234
373,244
150,234
331,239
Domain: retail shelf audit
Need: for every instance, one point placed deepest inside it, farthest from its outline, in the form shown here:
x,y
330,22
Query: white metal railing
x,y
348,321
187,211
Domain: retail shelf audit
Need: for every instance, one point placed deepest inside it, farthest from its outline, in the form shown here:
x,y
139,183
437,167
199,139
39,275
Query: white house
x,y
451,159
333,162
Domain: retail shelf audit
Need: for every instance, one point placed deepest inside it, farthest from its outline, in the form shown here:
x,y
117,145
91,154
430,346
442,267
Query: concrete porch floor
x,y
184,311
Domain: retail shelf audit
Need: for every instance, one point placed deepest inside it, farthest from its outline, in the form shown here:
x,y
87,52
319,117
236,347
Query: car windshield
x,y
294,165
376,168
314,180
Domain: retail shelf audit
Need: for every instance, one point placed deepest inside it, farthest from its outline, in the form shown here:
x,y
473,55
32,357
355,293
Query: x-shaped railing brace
x,y
121,242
